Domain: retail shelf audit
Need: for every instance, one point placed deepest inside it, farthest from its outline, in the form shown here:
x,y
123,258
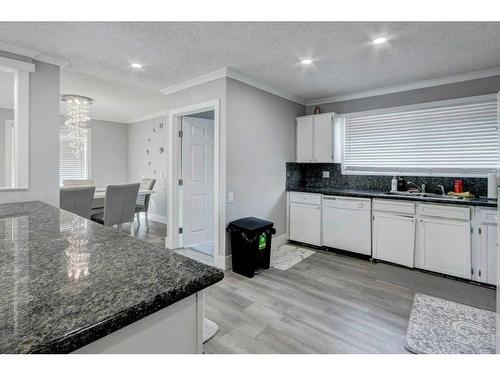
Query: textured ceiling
x,y
344,59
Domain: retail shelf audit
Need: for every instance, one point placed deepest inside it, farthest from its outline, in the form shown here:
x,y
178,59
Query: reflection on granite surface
x,y
77,256
66,281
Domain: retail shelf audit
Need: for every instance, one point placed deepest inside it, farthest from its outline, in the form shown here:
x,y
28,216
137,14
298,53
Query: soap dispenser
x,y
394,184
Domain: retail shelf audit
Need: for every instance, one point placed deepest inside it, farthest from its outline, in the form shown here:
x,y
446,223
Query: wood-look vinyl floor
x,y
328,303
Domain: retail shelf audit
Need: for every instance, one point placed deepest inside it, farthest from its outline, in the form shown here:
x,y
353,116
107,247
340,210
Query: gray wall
x,y
482,86
140,131
109,146
5,114
260,140
138,160
44,138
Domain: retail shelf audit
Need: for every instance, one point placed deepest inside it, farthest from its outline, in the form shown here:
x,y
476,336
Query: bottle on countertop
x,y
394,184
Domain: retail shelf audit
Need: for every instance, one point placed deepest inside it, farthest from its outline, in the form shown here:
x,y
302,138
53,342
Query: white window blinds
x,y
451,140
71,167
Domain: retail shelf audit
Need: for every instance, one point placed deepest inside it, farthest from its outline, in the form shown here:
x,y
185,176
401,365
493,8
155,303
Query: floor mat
x,y
210,328
439,326
287,256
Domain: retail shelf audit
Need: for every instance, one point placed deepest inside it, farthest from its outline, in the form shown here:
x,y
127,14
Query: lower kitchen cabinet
x,y
394,238
485,252
305,218
444,246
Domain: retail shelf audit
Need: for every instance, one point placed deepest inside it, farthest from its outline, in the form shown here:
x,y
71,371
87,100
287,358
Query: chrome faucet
x,y
418,187
441,187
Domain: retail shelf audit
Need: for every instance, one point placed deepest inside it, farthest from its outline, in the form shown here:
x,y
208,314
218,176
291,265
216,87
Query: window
x,y
71,167
435,139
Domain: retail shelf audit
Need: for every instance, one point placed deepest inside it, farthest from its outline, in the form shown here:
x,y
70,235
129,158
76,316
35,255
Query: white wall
x,y
260,140
44,138
5,114
109,146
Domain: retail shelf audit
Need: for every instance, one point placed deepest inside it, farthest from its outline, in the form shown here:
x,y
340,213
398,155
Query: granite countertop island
x,y
66,281
483,202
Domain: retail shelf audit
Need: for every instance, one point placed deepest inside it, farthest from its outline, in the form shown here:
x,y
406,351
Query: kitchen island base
x,y
175,329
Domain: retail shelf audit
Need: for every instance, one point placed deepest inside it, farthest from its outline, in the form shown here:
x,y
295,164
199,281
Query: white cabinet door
x,y
445,246
487,272
305,223
394,238
305,139
323,138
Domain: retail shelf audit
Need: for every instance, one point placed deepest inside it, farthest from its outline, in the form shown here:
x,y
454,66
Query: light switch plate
x,y
230,197
326,174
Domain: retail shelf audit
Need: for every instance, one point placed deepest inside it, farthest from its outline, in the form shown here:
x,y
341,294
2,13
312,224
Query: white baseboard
x,y
158,218
224,262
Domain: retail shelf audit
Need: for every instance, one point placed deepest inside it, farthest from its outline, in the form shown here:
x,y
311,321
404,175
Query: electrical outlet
x,y
326,174
230,197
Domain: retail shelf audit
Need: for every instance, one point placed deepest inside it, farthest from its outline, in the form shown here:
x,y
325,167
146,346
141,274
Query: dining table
x,y
100,195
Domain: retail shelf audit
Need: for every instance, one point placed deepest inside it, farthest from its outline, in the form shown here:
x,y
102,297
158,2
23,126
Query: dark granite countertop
x,y
66,281
483,202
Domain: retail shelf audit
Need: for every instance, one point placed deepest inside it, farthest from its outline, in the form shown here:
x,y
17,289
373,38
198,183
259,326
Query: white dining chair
x,y
78,182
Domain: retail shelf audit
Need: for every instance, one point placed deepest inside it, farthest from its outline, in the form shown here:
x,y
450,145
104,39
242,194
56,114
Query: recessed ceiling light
x,y
307,61
136,65
379,40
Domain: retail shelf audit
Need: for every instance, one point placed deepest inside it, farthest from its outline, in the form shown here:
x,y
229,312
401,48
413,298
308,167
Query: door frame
x,y
174,194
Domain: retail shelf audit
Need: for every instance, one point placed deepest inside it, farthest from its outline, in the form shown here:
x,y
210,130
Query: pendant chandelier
x,y
77,118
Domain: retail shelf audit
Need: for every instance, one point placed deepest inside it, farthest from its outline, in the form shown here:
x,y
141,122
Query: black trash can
x,y
250,245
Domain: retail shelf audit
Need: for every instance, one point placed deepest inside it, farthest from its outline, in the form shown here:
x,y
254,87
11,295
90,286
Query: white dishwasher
x,y
347,224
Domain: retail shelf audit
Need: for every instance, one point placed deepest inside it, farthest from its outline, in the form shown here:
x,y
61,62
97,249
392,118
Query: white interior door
x,y
197,189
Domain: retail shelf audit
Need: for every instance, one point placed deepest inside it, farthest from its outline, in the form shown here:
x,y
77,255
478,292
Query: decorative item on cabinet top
x,y
317,110
155,146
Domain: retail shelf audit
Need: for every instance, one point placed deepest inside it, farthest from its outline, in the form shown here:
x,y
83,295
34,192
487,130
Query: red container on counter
x,y
458,186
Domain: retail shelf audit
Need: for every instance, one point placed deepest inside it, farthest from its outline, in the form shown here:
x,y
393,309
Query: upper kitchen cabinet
x,y
315,138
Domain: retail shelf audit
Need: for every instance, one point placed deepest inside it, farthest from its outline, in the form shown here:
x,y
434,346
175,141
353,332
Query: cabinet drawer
x,y
488,216
405,208
305,198
448,212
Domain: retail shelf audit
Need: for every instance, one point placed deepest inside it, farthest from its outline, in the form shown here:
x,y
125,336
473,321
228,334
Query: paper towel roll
x,y
492,185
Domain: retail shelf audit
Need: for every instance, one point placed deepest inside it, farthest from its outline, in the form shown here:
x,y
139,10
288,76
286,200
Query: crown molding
x,y
406,87
233,74
212,76
147,117
33,54
13,65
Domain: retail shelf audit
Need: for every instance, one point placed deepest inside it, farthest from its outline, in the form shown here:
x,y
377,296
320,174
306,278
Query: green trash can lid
x,y
250,224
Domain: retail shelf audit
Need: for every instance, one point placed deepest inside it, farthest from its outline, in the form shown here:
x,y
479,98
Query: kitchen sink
x,y
419,194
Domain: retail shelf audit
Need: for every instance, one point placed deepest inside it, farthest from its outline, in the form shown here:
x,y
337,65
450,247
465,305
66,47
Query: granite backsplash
x,y
309,175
